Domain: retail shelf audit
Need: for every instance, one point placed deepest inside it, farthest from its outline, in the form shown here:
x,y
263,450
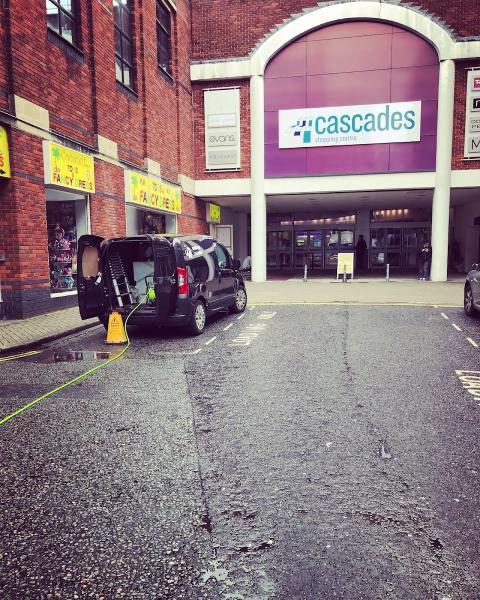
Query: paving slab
x,y
22,333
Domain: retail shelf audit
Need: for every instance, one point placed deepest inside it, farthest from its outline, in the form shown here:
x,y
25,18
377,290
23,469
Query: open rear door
x,y
90,284
164,272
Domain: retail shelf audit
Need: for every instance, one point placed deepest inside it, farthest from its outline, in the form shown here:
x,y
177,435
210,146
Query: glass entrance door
x,y
309,250
337,240
279,250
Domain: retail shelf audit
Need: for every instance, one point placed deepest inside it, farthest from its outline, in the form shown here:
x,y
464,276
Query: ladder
x,y
119,280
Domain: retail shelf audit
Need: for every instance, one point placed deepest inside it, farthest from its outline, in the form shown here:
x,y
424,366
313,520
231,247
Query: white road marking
x,y
251,308
470,381
211,340
444,316
266,315
435,306
456,327
228,327
474,344
249,334
197,351
241,316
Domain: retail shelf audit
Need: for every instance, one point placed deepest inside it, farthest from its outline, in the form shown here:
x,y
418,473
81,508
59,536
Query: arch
x,y
403,16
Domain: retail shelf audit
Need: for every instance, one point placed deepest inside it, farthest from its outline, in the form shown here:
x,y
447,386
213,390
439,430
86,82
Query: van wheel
x,y
104,321
468,306
240,301
199,319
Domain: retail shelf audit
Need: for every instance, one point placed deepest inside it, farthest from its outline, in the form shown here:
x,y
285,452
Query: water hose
x,y
78,377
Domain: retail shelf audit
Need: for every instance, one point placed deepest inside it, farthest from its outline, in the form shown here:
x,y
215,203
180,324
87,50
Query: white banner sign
x,y
472,116
350,125
222,128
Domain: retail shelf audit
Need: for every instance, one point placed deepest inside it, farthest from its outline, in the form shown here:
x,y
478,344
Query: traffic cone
x,y
116,330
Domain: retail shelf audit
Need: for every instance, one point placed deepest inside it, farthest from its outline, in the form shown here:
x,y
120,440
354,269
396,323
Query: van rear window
x,y
165,263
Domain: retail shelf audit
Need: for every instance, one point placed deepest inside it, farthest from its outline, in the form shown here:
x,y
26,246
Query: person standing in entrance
x,y
360,253
424,258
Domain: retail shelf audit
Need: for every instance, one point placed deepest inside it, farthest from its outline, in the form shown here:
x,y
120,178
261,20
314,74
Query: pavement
x,y
21,334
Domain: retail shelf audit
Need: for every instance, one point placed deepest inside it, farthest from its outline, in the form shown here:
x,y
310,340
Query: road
x,y
299,452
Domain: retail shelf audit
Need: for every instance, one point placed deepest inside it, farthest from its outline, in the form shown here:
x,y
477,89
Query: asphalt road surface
x,y
299,452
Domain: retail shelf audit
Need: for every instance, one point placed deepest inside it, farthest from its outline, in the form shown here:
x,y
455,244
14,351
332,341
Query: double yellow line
x,y
15,356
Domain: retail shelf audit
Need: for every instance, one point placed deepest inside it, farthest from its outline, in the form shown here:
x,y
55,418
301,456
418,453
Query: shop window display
x,y
62,245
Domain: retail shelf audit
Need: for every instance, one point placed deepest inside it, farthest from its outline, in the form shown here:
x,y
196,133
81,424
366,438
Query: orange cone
x,y
116,330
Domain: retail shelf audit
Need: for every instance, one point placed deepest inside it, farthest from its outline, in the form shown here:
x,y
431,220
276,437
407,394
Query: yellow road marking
x,y
16,356
353,303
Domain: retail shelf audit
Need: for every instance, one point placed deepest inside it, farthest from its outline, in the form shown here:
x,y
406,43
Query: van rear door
x,y
90,284
164,274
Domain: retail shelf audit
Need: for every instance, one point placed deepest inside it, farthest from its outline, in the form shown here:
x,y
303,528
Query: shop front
x,y
69,179
152,205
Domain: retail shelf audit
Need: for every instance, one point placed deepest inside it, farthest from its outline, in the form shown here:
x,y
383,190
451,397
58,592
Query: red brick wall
x,y
4,59
226,29
200,129
192,219
81,93
24,231
107,205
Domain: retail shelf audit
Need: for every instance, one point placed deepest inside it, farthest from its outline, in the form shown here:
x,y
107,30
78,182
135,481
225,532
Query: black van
x,y
184,279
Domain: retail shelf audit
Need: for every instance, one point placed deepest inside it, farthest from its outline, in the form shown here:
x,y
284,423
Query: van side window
x,y
222,258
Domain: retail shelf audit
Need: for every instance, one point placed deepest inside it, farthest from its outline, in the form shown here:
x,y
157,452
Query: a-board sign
x,y
345,264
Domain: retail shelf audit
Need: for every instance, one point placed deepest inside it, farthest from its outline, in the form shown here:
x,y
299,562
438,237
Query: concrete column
x,y
258,200
441,194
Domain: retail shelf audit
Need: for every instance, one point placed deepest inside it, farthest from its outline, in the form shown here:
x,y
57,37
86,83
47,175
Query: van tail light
x,y
182,281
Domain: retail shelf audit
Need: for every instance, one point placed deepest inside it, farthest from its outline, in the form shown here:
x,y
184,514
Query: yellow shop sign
x,y
152,193
68,168
4,156
213,213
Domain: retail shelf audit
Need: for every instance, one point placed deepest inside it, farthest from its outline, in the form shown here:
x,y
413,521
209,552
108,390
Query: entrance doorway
x,y
293,248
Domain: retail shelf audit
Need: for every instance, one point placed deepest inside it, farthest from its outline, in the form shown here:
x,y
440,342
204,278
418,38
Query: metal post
x,y
344,273
388,272
305,269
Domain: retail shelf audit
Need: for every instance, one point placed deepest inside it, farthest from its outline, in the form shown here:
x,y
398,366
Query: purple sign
x,y
349,64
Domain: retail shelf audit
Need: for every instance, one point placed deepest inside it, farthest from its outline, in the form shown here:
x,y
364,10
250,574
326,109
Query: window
x,y
164,38
61,18
222,258
123,42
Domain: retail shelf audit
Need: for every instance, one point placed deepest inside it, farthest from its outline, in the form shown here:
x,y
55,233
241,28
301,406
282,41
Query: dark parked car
x,y
183,278
471,293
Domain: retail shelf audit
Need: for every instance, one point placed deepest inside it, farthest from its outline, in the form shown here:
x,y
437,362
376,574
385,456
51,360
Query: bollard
x,y
305,273
344,273
388,272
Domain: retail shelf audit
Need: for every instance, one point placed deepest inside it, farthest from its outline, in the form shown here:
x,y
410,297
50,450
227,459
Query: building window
x,y
164,37
123,42
61,19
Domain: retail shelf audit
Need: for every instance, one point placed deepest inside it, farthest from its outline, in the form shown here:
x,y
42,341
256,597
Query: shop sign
x,y
213,213
4,156
345,264
350,125
152,193
472,116
68,168
222,128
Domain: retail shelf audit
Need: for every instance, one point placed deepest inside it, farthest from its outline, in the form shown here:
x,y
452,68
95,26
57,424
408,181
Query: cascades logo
x,y
350,125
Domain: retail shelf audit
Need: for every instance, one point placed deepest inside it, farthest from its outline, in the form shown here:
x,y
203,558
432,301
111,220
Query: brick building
x,y
128,116
95,105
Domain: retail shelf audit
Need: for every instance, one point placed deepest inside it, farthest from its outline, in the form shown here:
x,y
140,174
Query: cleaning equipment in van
x,y
78,377
119,279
